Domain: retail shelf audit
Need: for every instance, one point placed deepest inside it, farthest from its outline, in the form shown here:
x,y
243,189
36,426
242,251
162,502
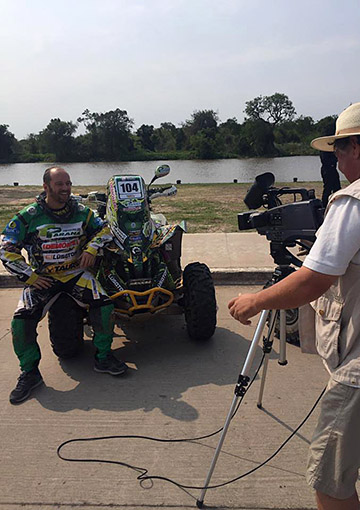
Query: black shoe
x,y
110,365
26,382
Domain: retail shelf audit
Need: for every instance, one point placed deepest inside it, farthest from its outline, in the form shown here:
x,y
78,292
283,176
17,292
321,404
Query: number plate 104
x,y
130,188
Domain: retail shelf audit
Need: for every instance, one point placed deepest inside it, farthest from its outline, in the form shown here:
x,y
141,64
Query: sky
x,y
161,60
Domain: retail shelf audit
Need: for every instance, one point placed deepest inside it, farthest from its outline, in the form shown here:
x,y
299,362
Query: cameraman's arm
x,y
295,290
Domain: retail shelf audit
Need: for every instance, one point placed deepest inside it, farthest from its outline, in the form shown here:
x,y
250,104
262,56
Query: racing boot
x,y
26,382
110,365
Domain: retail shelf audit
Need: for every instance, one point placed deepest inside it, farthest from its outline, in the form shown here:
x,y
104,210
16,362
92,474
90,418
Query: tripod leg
x,y
268,341
239,391
200,501
282,350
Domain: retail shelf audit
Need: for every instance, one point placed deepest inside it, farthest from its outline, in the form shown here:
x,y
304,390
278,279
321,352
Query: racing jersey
x,y
53,239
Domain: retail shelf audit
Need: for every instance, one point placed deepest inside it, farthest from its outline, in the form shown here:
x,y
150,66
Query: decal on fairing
x,y
118,233
163,234
112,191
132,204
115,282
148,229
163,277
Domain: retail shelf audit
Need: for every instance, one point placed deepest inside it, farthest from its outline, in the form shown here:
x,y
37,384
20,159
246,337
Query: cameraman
x,y
330,279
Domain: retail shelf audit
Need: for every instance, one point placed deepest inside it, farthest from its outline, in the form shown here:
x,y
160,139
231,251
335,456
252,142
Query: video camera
x,y
284,225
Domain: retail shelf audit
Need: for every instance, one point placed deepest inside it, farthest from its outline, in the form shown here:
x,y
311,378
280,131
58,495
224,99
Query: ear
x,y
355,147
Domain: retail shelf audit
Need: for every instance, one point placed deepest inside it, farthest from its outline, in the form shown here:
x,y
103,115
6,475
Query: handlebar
x,y
161,191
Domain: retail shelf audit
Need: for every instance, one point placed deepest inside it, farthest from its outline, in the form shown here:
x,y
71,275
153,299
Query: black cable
x,y
143,471
143,476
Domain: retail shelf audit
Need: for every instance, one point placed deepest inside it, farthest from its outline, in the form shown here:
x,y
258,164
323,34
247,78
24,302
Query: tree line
x,y
271,128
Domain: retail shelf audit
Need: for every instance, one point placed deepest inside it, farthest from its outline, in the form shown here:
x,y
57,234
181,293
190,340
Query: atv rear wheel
x,y
66,327
292,323
292,326
199,301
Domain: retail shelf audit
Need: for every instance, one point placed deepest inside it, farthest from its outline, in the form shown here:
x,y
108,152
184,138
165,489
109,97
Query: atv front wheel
x,y
199,301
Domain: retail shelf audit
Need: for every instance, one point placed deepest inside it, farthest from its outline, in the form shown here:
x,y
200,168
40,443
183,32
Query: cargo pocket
x,y
327,326
307,329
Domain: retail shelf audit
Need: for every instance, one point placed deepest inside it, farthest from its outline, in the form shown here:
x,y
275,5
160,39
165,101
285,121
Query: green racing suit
x,y
54,241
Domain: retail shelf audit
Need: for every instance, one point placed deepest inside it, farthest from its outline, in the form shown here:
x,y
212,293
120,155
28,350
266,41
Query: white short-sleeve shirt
x,y
338,239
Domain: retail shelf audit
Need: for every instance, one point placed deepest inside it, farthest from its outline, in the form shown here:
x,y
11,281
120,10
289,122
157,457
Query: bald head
x,y
51,171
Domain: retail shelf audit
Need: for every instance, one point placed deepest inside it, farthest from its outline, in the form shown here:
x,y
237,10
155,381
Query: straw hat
x,y
347,124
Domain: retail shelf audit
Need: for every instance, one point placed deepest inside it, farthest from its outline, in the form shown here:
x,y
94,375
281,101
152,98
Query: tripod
x,y
268,317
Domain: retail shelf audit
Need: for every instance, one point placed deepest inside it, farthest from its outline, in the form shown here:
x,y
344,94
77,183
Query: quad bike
x,y
140,269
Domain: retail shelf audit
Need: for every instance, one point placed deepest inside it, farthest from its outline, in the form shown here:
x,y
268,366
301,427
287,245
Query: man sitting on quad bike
x,y
139,263
58,234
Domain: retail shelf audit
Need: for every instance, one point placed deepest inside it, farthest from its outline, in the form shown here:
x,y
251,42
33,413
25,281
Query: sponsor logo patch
x,y
62,267
59,257
59,245
12,228
60,231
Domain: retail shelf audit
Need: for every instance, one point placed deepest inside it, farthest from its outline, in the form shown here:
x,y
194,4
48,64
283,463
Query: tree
x,y
274,109
299,131
258,139
203,120
201,132
31,144
326,126
180,139
229,136
7,143
145,135
110,134
165,137
304,125
57,138
204,147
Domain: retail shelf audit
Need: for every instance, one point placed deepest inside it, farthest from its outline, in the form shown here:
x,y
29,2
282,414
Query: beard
x,y
59,197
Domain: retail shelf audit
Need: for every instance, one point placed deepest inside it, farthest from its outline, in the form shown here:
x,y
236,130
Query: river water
x,y
304,168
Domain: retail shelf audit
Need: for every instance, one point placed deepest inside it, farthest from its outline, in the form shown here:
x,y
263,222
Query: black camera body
x,y
284,225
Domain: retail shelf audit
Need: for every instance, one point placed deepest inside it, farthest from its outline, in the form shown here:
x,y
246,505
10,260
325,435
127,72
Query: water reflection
x,y
304,168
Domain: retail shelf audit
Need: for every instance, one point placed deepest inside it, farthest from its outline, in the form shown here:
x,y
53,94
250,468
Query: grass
x,y
205,207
